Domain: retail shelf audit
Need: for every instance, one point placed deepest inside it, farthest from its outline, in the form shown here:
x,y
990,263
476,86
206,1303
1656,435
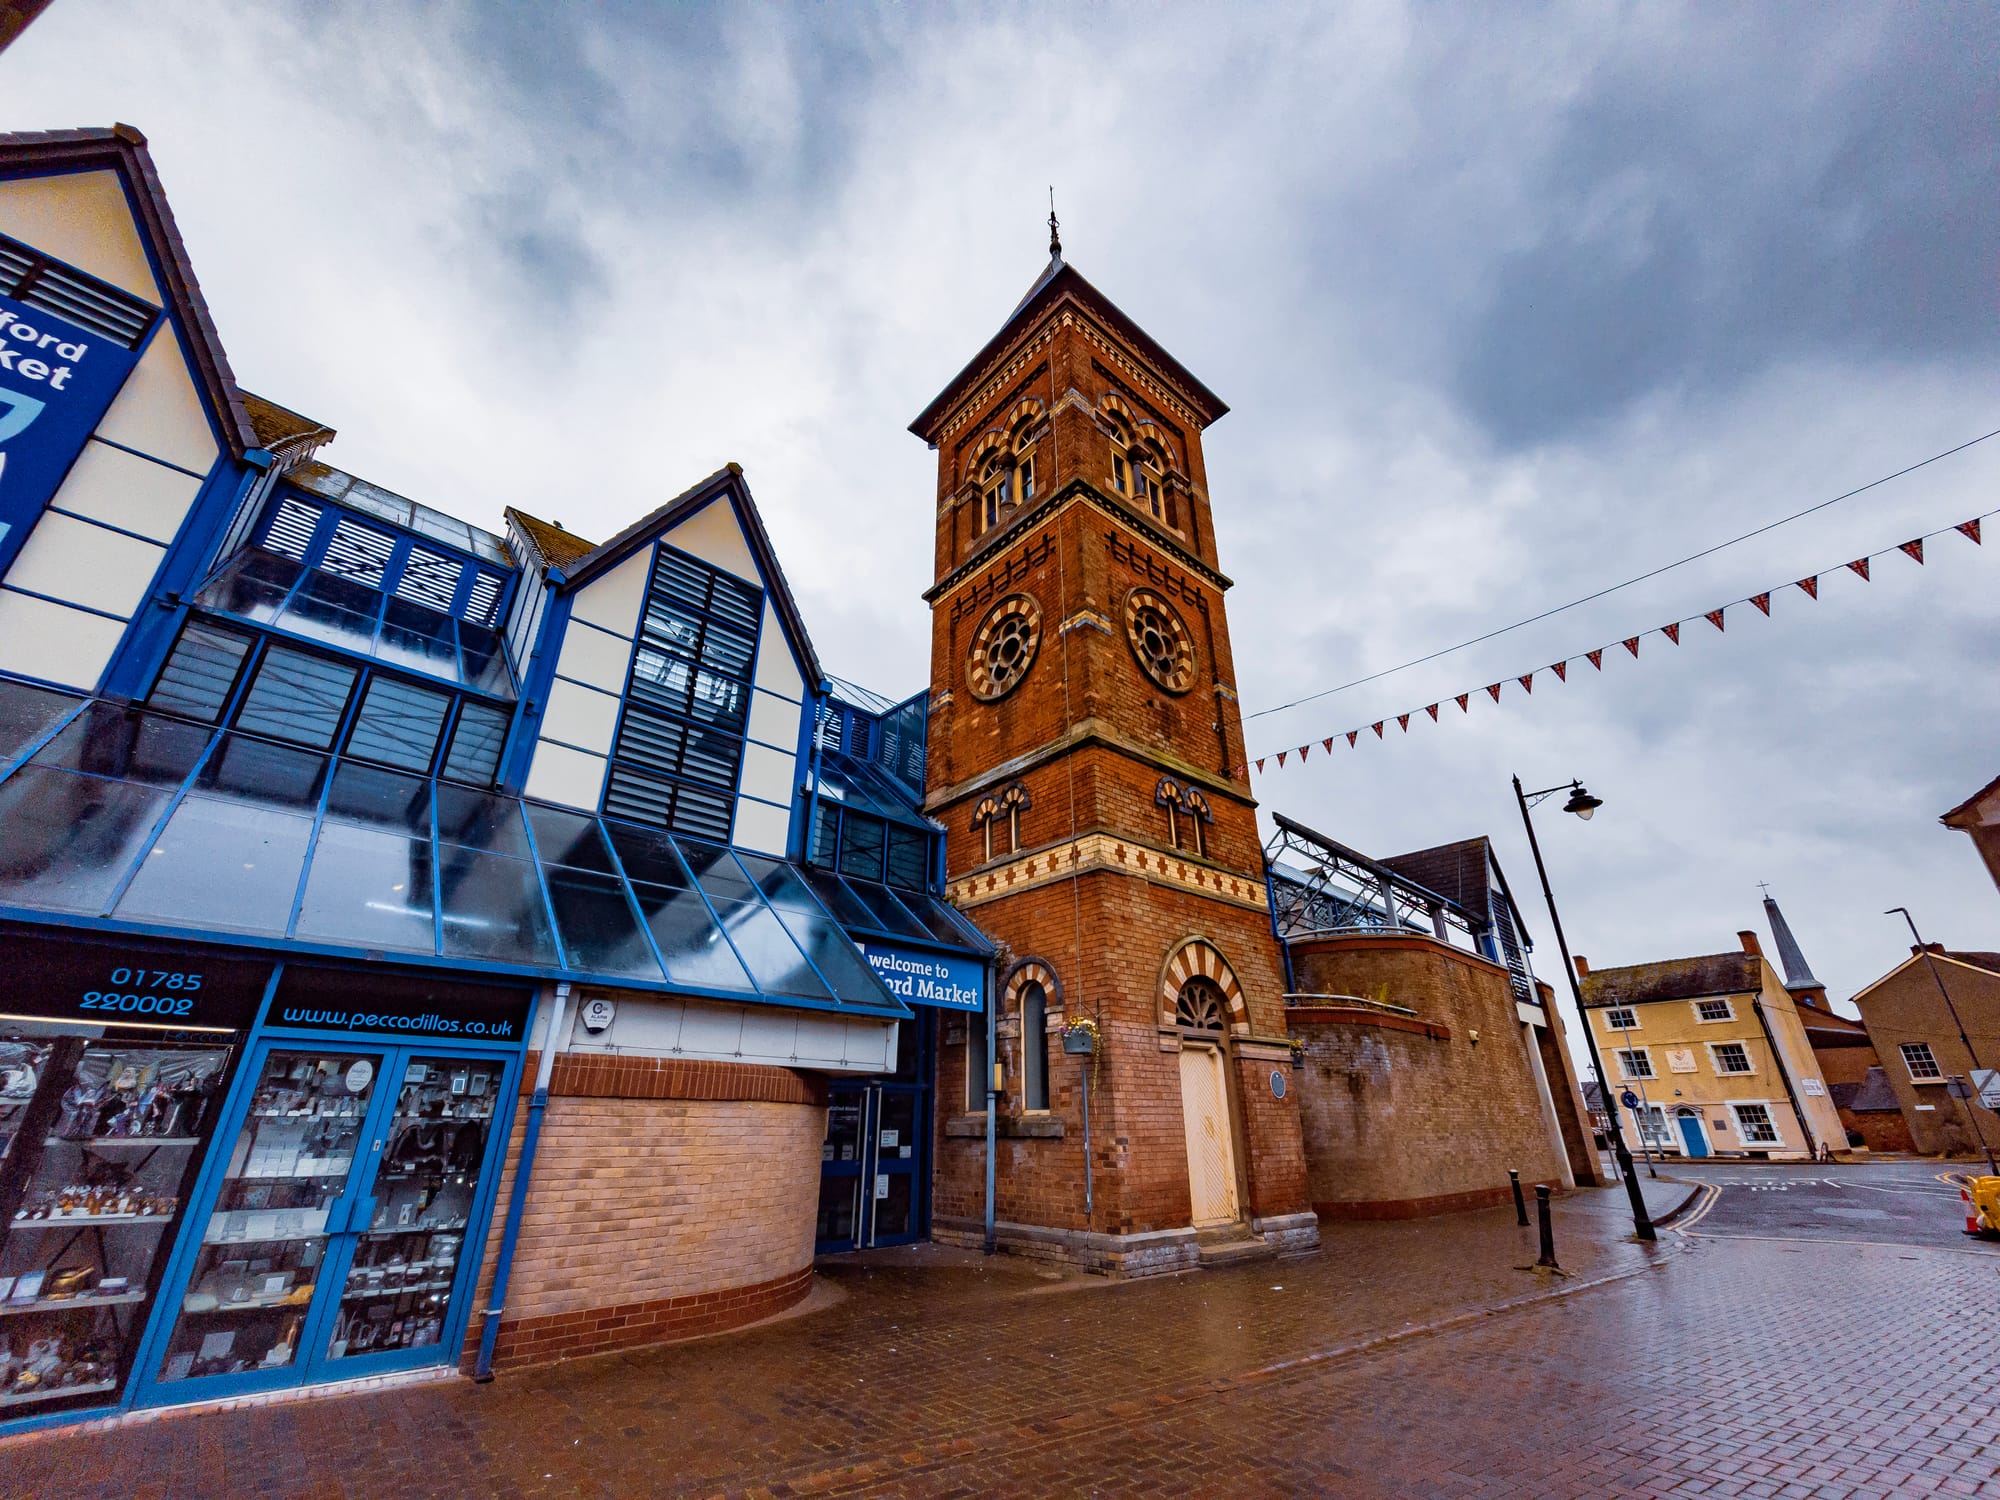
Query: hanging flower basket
x,y
1080,1037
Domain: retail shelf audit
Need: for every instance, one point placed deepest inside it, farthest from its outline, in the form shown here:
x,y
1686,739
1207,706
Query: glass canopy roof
x,y
263,588
856,784
137,820
867,908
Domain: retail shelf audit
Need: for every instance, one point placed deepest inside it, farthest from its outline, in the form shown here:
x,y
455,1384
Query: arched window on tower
x,y
1014,801
1034,1046
996,487
1198,813
1201,1005
1121,455
1148,483
1168,795
983,816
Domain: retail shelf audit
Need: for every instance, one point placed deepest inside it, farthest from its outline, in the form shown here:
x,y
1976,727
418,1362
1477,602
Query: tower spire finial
x,y
1055,239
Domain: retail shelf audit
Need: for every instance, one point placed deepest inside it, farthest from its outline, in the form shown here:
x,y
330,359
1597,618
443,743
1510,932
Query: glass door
x,y
292,1188
898,1184
844,1175
408,1262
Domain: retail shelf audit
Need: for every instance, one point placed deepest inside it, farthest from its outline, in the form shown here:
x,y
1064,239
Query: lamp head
x,y
1582,803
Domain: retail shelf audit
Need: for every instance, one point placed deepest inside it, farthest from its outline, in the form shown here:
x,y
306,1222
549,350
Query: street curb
x,y
1694,1191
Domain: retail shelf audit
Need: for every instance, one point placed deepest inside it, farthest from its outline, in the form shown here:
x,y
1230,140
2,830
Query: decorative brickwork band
x,y
604,1075
598,1330
1197,958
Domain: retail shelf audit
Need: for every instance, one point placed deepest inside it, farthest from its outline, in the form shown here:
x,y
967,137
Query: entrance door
x,y
1205,1112
334,1231
875,1161
1693,1136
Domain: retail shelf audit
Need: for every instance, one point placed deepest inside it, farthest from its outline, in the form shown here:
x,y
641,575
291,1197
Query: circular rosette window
x,y
1159,640
1005,647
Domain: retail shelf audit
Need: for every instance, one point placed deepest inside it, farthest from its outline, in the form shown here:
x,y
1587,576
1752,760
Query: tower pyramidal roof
x,y
1798,973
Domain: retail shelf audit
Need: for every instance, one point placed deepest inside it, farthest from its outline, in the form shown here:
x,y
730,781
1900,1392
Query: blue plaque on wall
x,y
56,382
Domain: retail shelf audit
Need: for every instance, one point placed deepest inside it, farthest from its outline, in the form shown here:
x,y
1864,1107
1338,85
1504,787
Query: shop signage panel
x,y
919,978
115,984
56,382
411,1010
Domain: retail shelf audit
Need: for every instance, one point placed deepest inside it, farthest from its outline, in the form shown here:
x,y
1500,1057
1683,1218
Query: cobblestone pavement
x,y
1405,1359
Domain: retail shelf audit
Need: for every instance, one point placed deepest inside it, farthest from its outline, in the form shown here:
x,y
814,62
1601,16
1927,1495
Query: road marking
x,y
1827,1239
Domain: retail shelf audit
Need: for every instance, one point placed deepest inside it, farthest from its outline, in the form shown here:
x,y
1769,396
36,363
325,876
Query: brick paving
x,y
1710,1367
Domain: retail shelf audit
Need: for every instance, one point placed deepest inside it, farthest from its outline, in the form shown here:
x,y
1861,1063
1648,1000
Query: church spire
x,y
1798,974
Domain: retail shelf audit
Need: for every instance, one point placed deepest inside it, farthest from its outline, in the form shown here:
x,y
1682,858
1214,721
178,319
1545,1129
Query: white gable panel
x,y
123,490
714,535
570,777
580,716
83,218
66,646
761,827
770,774
591,656
160,412
613,600
774,720
84,564
777,672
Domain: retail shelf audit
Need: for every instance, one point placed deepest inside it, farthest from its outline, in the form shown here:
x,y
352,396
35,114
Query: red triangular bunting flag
x,y
1913,550
1762,601
1970,529
1281,756
1561,669
1302,751
1811,586
1432,710
1494,689
1377,727
1859,565
1596,658
1403,722
1672,632
1327,744
1260,765
1527,683
1714,617
1352,736
1461,703
1632,644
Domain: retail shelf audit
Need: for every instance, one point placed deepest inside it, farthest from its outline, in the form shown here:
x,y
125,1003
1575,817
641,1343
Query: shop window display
x,y
265,1242
399,1285
102,1138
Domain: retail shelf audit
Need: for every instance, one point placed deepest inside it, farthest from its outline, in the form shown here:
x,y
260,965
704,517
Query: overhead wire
x,y
1628,583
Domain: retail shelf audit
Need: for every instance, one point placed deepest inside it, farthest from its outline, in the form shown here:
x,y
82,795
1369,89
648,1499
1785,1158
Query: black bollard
x,y
1520,1203
1548,1256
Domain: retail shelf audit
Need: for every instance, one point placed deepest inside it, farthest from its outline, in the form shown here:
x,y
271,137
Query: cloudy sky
x,y
1506,313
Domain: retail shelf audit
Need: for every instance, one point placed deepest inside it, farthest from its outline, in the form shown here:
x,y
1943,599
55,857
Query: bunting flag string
x,y
1808,585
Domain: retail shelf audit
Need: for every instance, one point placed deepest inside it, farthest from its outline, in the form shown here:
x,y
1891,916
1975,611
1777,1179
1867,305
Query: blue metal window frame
x,y
393,1051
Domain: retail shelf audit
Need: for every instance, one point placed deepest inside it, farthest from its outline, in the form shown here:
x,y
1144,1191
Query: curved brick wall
x,y
1404,1116
669,1199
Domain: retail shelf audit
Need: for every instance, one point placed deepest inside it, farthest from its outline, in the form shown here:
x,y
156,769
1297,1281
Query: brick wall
x,y
669,1198
1406,1116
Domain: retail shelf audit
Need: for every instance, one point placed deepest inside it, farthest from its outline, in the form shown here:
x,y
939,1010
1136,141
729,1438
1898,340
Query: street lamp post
x,y
1583,805
1645,1101
1970,1102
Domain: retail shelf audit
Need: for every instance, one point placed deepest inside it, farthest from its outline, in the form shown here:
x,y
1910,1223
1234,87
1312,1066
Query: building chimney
x,y
1582,966
1749,941
1918,950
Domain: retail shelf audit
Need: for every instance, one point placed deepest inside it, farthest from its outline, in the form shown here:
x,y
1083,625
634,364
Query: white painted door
x,y
1205,1111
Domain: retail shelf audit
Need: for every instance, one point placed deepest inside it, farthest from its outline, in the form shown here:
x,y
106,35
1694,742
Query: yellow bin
x,y
1982,1206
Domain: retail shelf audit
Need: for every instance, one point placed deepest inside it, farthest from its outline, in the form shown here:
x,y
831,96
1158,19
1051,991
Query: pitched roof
x,y
1965,814
1673,979
278,427
1056,280
1874,1095
123,149
1458,872
726,482
553,547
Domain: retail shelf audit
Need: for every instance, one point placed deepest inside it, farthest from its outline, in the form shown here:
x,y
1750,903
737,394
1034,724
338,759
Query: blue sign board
x,y
953,982
56,381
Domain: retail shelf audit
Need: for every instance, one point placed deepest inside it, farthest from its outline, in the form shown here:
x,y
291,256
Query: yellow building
x,y
1712,1056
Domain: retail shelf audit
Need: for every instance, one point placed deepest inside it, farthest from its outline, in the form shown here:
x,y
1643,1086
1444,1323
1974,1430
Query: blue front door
x,y
1694,1136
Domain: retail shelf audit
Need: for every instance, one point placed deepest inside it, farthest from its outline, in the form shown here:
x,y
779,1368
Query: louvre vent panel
x,y
291,530
358,552
484,606
95,306
430,580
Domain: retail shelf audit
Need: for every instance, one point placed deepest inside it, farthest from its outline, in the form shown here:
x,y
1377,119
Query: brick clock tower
x,y
1083,753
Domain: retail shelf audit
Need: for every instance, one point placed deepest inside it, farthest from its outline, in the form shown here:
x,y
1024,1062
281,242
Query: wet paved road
x,y
1404,1360
1899,1203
